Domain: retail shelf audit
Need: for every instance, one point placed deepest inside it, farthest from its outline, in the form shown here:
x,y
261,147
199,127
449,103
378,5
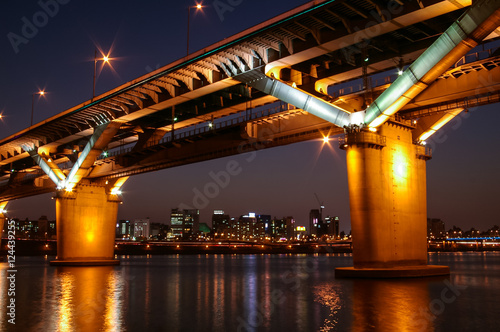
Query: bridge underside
x,y
212,105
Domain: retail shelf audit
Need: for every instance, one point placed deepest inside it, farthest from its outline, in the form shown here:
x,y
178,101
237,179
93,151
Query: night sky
x,y
463,176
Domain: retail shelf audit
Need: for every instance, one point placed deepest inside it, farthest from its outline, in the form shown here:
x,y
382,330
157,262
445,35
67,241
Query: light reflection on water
x,y
328,295
249,293
87,298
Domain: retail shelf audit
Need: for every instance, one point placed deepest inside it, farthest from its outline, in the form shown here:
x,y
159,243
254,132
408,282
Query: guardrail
x,y
362,137
206,127
466,59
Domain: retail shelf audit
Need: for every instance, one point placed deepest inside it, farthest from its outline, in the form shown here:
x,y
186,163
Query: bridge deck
x,y
195,100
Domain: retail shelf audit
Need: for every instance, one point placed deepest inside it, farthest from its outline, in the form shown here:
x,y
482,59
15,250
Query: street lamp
x,y
198,7
41,93
105,59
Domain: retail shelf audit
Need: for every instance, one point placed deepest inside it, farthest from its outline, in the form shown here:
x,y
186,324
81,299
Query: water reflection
x,y
88,299
328,295
392,305
248,293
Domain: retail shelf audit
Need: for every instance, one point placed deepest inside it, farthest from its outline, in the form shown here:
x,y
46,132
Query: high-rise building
x,y
331,225
265,219
176,222
141,228
123,230
191,224
290,227
278,228
243,228
220,222
314,222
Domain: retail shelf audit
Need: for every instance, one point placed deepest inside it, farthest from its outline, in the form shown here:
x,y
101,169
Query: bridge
x,y
290,79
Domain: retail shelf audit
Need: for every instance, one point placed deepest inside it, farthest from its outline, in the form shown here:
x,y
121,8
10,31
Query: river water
x,y
248,293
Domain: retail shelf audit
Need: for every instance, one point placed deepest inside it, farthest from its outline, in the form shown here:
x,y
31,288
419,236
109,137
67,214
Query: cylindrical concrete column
x,y
86,219
387,192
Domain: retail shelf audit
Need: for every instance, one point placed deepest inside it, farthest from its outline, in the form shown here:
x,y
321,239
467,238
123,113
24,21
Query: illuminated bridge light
x,y
116,191
400,169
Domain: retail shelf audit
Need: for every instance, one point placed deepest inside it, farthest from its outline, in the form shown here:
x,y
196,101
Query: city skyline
x,y
462,181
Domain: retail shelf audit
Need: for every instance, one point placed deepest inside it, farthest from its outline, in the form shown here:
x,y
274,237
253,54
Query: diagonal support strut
x,y
296,97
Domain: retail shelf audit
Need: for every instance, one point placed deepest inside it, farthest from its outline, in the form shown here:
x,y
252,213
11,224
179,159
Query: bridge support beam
x,y
387,193
86,219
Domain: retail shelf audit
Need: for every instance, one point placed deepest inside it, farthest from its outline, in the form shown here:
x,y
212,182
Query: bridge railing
x,y
362,137
206,127
357,85
473,57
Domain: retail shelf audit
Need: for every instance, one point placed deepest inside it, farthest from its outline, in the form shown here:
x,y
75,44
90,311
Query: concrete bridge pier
x,y
86,219
388,203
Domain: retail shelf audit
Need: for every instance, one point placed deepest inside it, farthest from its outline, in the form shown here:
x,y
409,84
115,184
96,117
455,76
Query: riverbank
x,y
43,247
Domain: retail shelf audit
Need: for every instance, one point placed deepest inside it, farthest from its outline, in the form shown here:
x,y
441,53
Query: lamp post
x,y
198,6
41,93
105,59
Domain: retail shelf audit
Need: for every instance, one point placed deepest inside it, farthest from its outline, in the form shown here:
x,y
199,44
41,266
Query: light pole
x,y
198,6
105,59
41,93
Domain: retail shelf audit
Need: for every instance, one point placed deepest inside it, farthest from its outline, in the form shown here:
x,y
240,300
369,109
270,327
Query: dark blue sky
x,y
463,179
